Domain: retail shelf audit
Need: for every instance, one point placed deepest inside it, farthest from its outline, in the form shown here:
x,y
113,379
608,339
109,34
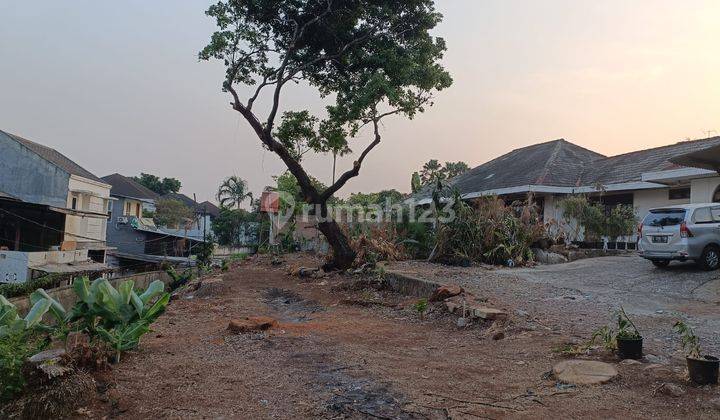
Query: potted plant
x,y
629,340
626,341
703,370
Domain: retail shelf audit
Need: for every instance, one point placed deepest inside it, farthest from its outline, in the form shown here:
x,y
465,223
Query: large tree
x,y
433,170
368,59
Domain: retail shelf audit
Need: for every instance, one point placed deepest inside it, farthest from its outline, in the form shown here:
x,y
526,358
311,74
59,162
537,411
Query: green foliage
x,y
15,348
626,328
11,290
291,194
489,231
172,213
233,192
178,280
225,267
433,170
230,224
592,217
415,182
608,336
160,186
204,252
417,238
689,341
421,306
42,303
117,316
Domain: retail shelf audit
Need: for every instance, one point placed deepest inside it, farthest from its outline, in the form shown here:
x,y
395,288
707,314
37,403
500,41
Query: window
x,y
715,211
127,208
74,204
679,193
137,209
666,217
702,215
716,195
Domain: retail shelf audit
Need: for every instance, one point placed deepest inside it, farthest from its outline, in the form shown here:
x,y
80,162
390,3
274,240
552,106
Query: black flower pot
x,y
630,348
704,371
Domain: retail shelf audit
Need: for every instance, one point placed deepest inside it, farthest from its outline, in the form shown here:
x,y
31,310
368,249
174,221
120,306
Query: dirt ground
x,y
344,349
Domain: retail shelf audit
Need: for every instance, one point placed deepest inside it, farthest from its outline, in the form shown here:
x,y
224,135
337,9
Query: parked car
x,y
684,232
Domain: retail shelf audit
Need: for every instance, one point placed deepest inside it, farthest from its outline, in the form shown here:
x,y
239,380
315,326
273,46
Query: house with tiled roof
x,y
680,173
53,212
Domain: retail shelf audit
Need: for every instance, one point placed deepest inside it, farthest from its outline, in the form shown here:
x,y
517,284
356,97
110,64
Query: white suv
x,y
684,232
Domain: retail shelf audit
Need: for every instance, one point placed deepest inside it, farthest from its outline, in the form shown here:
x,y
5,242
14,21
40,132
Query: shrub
x,y
11,290
15,348
596,221
375,242
489,231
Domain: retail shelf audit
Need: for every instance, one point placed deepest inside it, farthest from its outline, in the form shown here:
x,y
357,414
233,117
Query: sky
x,y
117,87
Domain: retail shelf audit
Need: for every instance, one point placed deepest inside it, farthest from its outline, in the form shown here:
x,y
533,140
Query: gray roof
x,y
53,156
181,198
630,166
553,163
123,186
559,163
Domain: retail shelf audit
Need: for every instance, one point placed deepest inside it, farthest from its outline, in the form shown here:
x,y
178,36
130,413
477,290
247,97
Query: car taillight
x,y
684,231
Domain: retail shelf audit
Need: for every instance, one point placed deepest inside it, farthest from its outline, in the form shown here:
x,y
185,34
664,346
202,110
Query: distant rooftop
x,y
123,186
53,156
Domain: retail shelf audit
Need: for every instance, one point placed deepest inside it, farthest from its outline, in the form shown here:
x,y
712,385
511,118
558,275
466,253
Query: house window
x,y
716,196
137,209
127,209
74,205
679,193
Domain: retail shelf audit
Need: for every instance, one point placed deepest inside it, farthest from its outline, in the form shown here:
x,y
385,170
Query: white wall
x,y
702,189
92,197
644,200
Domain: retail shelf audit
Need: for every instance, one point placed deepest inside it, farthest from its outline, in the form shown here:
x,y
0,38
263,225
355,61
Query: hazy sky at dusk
x,y
117,87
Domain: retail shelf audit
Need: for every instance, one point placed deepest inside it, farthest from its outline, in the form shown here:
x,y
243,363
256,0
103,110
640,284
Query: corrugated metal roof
x,y
53,156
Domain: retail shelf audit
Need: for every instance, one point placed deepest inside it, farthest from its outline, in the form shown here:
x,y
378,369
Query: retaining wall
x,y
66,296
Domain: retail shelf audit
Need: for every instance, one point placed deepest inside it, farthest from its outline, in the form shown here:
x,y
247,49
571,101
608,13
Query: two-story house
x,y
53,212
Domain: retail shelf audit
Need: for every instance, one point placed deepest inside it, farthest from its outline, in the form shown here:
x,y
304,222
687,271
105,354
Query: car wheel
x,y
710,258
661,263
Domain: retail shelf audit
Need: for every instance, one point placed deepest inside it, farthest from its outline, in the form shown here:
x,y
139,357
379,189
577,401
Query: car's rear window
x,y
664,217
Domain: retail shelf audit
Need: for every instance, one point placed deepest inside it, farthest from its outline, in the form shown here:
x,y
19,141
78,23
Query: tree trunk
x,y
343,255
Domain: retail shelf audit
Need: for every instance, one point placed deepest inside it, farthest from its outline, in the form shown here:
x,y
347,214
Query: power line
x,y
87,237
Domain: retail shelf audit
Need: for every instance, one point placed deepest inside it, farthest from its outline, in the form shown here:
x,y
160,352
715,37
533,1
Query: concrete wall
x,y
91,196
644,200
27,176
14,264
66,296
702,190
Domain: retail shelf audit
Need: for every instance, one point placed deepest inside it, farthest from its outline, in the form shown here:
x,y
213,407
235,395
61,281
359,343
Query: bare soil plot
x,y
343,350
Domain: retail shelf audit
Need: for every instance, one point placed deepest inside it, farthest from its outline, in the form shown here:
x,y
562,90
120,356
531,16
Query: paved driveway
x,y
578,297
660,296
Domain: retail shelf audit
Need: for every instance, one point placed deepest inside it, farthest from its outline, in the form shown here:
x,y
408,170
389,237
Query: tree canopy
x,y
367,59
433,170
171,213
160,186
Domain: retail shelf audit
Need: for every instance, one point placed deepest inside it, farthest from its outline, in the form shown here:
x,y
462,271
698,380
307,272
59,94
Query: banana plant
x,y
10,320
118,316
124,338
100,304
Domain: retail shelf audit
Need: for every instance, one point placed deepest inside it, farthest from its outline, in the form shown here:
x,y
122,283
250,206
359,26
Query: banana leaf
x,y
155,288
157,309
56,308
38,310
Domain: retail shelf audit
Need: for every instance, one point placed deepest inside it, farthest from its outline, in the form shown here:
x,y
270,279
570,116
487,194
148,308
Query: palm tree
x,y
233,191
